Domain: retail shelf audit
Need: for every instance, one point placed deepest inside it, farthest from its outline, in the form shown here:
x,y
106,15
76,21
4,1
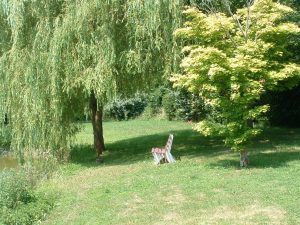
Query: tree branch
x,y
210,8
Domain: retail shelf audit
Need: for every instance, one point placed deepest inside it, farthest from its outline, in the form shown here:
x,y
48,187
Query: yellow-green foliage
x,y
230,61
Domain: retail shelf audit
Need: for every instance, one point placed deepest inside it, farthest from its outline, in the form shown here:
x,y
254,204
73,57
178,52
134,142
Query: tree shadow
x,y
276,147
186,143
268,150
261,160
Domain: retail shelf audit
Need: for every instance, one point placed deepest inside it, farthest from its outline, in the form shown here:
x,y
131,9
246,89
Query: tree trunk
x,y
244,159
96,116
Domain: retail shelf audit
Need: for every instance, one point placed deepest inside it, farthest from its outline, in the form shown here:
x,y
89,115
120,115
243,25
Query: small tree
x,y
231,60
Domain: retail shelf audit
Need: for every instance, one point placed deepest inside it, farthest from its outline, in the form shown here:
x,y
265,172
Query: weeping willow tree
x,y
58,57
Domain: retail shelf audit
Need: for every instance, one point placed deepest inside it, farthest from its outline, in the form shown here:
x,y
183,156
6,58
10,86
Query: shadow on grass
x,y
261,160
272,149
276,147
186,143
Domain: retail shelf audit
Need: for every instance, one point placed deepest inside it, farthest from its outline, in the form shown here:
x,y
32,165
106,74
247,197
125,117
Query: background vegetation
x,y
20,203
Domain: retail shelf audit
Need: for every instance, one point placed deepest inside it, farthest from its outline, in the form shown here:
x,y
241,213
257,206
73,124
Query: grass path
x,y
204,187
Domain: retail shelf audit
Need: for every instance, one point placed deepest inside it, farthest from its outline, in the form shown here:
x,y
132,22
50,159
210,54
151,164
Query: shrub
x,y
124,109
190,106
161,102
40,168
19,203
169,105
155,98
15,189
179,104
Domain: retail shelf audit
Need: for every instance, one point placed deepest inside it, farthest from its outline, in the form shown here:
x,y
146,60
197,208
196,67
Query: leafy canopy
x,y
53,54
231,60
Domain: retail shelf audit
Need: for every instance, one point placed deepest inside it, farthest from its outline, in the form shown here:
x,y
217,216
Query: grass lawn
x,y
205,186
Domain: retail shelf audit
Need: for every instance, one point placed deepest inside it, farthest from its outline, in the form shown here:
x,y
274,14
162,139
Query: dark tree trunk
x,y
244,159
96,116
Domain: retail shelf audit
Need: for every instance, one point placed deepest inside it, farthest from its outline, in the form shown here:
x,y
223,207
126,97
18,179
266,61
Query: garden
x,y
149,112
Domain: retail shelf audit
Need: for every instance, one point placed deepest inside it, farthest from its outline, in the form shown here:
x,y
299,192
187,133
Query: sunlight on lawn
x,y
204,186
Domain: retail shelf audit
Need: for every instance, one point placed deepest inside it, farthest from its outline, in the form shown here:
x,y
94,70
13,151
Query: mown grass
x,y
205,185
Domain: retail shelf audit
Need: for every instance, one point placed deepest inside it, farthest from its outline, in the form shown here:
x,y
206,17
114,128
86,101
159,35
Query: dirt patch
x,y
174,196
200,196
247,215
170,218
131,207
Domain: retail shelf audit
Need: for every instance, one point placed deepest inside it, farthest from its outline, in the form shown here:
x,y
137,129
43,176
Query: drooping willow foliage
x,y
53,54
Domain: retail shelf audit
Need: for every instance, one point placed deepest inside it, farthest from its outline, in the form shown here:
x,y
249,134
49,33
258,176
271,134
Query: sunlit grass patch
x,y
204,186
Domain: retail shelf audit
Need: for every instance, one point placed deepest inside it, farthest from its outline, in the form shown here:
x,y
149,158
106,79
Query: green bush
x,y
19,203
181,105
15,189
190,107
176,104
124,109
155,99
169,105
40,168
